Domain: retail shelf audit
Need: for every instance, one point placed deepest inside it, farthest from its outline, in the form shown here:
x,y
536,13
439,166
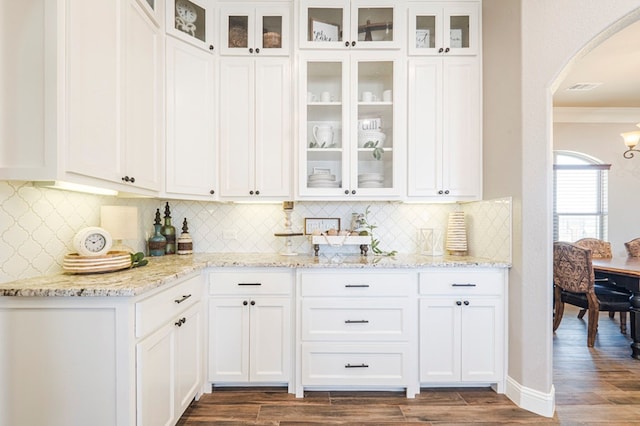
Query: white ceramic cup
x,y
367,96
387,96
325,97
311,97
323,134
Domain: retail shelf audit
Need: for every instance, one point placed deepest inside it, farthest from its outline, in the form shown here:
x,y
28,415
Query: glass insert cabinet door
x,y
347,127
448,30
335,24
191,21
255,31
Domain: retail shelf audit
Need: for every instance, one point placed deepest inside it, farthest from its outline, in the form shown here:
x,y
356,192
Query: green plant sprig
x,y
375,243
137,259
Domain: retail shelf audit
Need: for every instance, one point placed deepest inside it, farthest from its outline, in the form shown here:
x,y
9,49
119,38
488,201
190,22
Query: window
x,y
580,201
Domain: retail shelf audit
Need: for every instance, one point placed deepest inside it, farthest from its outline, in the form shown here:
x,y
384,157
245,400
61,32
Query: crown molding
x,y
595,115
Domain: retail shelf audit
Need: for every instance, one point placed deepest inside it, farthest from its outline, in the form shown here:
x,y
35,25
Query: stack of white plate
x,y
323,180
374,136
370,180
112,261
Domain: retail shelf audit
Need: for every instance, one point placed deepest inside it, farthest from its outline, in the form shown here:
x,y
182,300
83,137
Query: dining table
x,y
625,272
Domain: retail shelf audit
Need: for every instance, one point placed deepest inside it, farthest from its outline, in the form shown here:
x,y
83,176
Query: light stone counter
x,y
161,270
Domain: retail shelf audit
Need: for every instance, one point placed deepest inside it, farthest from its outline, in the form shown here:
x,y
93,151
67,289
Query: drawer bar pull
x,y
463,285
249,283
356,366
356,321
185,297
357,285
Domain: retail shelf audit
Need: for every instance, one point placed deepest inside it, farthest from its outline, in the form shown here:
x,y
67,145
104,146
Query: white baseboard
x,y
535,401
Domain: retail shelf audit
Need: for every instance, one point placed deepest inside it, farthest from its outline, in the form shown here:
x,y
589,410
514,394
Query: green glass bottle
x,y
169,231
157,242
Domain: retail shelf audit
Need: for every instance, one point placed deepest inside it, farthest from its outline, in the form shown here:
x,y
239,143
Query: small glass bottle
x,y
157,242
169,231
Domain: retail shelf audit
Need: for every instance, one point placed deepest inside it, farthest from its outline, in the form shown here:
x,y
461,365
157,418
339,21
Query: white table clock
x,y
92,241
186,16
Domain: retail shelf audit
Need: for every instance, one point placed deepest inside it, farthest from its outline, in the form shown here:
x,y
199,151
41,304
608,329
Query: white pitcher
x,y
323,135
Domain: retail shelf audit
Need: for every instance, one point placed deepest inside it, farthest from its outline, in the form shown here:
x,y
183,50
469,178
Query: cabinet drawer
x,y
154,311
354,365
238,283
468,281
350,319
357,284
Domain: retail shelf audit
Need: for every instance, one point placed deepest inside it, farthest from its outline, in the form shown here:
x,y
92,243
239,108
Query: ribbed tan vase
x,y
457,234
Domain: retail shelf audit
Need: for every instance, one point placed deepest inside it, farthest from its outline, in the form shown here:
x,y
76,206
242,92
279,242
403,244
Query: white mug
x,y
325,97
387,96
368,97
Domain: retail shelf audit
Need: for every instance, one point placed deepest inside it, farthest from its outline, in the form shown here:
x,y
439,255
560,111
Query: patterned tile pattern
x,y
37,225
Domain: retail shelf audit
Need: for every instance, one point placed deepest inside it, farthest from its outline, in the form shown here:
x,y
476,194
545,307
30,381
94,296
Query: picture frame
x,y
320,31
423,38
323,224
455,38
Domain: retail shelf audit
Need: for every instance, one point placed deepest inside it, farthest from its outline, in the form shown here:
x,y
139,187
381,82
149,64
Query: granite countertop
x,y
161,270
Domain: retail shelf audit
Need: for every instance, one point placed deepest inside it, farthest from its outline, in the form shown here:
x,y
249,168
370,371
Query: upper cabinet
x,y
191,21
250,30
88,110
350,125
444,28
356,24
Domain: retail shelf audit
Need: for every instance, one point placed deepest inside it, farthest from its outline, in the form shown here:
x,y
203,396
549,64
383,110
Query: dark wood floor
x,y
594,386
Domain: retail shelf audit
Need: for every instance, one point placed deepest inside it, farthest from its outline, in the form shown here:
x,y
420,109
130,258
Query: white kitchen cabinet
x,y
191,154
88,109
250,327
169,361
191,21
357,330
463,327
356,24
250,30
444,131
255,128
116,360
351,126
450,28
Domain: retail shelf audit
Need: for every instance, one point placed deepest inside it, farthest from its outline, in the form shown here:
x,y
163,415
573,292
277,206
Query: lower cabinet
x,y
462,327
250,324
169,361
358,330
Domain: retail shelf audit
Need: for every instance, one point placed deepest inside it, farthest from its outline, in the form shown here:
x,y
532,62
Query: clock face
x,y
92,241
186,11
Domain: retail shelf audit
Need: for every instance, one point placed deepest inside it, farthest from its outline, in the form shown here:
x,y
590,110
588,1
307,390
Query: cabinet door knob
x,y
440,50
132,179
257,192
125,179
458,302
446,50
244,302
440,192
257,50
346,191
253,302
250,192
211,47
346,43
446,192
251,50
212,192
466,303
353,192
353,43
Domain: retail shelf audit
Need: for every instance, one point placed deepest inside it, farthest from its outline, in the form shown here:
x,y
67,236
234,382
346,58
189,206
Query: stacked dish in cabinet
x,y
370,180
322,178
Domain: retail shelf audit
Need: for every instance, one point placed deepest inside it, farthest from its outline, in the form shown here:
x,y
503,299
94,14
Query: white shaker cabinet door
x,y
191,145
270,349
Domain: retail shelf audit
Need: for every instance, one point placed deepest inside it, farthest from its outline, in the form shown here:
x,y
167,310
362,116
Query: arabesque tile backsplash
x,y
37,225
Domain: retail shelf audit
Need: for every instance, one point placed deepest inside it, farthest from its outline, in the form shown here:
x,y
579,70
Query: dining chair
x,y
601,249
633,247
574,283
